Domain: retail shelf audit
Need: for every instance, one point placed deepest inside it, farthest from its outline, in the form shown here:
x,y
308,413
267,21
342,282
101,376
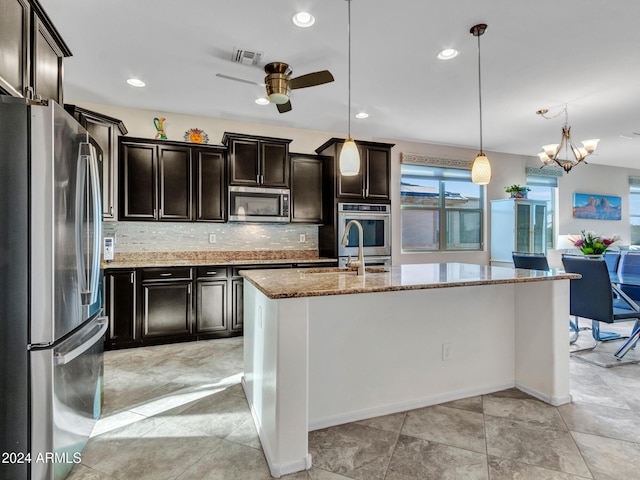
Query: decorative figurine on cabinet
x,y
159,124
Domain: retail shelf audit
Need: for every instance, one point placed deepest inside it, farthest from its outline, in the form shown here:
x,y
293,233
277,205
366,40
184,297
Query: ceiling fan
x,y
279,82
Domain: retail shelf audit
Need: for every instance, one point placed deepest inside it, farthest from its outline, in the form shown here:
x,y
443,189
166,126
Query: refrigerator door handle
x,y
97,223
88,184
62,358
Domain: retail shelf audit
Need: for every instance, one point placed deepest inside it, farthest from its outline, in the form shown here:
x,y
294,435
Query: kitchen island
x,y
325,346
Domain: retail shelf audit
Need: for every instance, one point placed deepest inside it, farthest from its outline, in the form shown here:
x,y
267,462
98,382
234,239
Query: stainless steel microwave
x,y
255,204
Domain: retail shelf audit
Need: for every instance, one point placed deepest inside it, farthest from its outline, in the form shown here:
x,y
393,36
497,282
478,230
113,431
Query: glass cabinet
x,y
517,225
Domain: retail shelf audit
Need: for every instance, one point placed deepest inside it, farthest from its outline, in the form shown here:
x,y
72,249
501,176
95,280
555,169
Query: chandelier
x,y
553,150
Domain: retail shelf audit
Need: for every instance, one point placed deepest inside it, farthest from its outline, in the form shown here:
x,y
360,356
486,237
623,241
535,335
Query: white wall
x,y
507,169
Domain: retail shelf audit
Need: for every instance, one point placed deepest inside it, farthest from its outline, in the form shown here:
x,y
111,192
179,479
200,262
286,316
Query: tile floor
x,y
178,412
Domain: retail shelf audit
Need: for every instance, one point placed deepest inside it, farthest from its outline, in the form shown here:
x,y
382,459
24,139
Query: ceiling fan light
x,y
262,101
278,98
481,170
349,159
551,149
591,145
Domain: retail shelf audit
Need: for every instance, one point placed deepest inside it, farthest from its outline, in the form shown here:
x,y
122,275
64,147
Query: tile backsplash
x,y
133,237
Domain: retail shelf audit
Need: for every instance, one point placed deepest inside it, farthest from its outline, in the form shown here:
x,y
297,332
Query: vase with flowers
x,y
591,243
517,191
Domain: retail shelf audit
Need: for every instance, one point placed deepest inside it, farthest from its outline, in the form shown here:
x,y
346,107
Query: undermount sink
x,y
344,270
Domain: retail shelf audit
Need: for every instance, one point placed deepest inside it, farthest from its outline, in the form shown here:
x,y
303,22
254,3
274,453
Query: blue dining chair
x,y
630,264
612,260
530,261
592,297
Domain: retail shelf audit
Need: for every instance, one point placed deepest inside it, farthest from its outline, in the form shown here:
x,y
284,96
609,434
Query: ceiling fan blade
x,y
239,80
284,107
311,79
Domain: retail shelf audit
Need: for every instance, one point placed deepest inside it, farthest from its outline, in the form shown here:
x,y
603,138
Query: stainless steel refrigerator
x,y
51,323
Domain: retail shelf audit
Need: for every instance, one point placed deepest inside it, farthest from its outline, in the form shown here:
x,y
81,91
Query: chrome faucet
x,y
345,238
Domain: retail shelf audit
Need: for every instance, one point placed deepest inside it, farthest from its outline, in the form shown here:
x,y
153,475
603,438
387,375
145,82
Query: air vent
x,y
246,57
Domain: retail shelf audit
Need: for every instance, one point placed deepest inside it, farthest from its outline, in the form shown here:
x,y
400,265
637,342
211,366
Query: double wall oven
x,y
376,228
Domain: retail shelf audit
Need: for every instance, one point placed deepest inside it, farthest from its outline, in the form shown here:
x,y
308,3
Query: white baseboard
x,y
551,400
276,469
318,423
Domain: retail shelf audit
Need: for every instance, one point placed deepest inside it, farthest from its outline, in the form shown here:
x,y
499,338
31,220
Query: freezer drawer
x,y
65,399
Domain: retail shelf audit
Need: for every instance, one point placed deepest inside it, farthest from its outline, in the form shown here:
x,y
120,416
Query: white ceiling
x,y
535,53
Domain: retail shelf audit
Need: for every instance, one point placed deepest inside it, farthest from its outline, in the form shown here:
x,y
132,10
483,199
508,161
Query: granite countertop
x,y
227,257
313,282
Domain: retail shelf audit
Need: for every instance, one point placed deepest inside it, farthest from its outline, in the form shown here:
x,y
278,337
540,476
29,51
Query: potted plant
x,y
592,244
517,191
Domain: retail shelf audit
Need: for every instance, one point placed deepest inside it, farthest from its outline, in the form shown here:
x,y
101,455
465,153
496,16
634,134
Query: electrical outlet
x,y
303,238
212,238
446,352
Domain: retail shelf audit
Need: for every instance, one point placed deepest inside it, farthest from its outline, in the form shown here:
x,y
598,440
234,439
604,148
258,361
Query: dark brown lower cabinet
x,y
166,309
120,307
237,299
150,306
211,300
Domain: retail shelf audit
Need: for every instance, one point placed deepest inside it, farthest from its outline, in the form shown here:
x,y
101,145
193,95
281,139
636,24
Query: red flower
x,y
607,241
579,243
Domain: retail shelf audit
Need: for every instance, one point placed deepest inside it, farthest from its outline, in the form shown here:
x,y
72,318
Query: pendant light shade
x,y
349,156
349,159
481,168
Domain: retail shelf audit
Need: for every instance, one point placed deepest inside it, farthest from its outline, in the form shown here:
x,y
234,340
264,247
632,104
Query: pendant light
x,y
349,155
480,169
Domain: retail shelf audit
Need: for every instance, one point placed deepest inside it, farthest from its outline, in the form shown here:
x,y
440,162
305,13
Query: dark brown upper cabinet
x,y
171,181
373,180
105,131
155,181
306,188
211,191
257,161
32,52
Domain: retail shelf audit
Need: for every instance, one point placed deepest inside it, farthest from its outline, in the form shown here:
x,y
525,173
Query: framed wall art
x,y
597,207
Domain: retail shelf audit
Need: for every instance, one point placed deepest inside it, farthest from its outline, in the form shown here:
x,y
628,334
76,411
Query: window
x,y
441,209
634,209
544,188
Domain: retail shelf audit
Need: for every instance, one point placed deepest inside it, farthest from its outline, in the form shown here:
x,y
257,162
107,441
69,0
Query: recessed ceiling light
x,y
262,101
303,19
448,54
362,115
134,82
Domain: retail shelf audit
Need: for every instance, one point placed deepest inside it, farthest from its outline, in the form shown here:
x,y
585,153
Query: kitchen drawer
x,y
211,272
175,273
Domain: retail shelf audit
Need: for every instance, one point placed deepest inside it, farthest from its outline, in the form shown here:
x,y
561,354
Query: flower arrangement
x,y
517,191
590,243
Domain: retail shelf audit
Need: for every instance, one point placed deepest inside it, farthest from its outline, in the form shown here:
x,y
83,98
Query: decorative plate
x,y
195,135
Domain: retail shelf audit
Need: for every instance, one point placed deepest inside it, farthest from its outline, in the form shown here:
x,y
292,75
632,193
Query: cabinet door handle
x,y
189,289
166,274
212,273
111,210
132,278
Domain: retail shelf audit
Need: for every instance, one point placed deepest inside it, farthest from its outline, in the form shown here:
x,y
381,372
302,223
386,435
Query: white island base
x,y
318,361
